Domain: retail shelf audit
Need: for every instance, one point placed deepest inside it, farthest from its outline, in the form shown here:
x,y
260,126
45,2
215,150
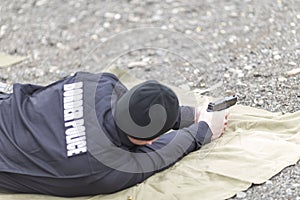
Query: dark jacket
x,y
62,139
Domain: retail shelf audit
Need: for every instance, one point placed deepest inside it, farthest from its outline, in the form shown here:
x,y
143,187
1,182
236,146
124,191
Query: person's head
x,y
147,111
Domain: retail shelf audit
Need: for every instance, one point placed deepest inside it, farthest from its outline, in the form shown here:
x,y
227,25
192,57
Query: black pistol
x,y
222,104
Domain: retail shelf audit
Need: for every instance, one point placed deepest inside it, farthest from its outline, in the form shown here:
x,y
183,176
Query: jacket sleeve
x,y
185,118
163,153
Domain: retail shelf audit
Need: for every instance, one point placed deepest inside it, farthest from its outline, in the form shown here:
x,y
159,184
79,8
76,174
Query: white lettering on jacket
x,y
73,117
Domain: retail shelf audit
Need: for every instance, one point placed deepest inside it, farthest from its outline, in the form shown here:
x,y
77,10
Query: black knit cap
x,y
147,110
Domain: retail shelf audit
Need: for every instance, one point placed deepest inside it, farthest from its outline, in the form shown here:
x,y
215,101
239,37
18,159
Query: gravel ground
x,y
216,47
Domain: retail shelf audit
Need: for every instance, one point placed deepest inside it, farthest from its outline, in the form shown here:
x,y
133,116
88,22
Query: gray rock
x,y
136,64
241,195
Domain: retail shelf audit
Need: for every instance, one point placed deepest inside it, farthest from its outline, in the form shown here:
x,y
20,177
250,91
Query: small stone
x,y
232,39
136,64
196,71
156,18
248,67
103,39
282,79
60,45
39,73
164,27
289,191
36,54
292,63
277,57
170,26
257,96
109,15
241,195
293,72
198,29
41,2
268,182
190,84
146,59
226,75
94,37
3,30
233,14
185,87
72,20
117,16
106,25
246,28
188,32
175,11
260,102
53,69
202,84
193,22
229,92
133,18
240,74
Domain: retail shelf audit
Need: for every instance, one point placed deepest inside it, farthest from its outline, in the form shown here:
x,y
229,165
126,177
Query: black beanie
x,y
147,110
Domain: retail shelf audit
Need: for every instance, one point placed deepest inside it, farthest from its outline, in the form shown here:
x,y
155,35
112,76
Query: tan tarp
x,y
257,145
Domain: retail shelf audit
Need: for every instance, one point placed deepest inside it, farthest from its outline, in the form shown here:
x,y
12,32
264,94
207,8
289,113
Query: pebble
x,y
41,3
106,24
260,102
118,16
109,15
136,64
196,71
282,79
226,75
232,39
94,37
248,67
229,92
36,54
241,195
188,32
61,45
3,30
53,69
293,72
277,57
198,29
289,191
269,182
257,96
292,63
185,87
72,20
